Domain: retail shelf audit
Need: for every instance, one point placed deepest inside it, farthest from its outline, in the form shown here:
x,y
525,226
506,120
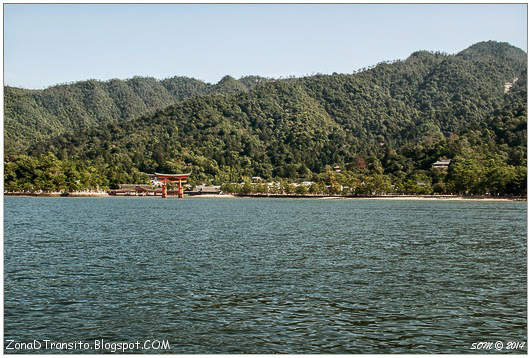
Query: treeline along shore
x,y
361,187
49,176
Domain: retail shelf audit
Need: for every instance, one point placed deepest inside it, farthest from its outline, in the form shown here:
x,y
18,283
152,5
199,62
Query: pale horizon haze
x,y
48,44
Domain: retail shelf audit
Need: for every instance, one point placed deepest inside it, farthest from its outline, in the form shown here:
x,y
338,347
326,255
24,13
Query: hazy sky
x,y
49,44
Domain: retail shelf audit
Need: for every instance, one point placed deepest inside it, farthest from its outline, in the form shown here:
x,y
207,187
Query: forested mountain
x,y
35,115
388,122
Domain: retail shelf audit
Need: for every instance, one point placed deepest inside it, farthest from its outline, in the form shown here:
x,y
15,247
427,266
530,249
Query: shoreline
x,y
282,196
56,194
388,197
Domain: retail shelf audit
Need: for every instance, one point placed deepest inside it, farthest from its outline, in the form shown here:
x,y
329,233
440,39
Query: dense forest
x,y
36,115
384,127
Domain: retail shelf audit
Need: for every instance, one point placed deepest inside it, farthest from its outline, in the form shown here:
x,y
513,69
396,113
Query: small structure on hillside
x,y
508,85
441,164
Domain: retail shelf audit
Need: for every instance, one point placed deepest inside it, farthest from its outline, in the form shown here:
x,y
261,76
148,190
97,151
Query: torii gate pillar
x,y
164,190
180,191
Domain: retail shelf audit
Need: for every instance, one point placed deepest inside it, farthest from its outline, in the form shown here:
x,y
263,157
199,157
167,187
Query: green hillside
x,y
388,123
35,115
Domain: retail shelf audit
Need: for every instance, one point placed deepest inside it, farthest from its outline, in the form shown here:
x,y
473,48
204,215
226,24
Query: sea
x,y
258,275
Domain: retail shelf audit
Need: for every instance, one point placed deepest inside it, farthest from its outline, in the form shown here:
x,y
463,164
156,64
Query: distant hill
x,y
34,115
393,119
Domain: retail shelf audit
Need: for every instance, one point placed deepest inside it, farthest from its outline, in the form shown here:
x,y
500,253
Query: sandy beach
x,y
55,194
388,197
220,196
445,198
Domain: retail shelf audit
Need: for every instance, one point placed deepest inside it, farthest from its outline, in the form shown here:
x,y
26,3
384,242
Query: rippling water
x,y
266,275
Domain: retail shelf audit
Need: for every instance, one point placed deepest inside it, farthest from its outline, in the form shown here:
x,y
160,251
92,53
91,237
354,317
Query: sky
x,y
47,44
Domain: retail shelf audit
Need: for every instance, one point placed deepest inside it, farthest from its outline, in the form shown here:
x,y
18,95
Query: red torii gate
x,y
172,178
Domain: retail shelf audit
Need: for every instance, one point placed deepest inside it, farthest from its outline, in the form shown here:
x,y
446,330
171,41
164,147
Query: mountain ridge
x,y
92,102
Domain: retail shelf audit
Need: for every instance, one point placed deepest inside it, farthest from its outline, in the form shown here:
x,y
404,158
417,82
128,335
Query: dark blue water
x,y
264,275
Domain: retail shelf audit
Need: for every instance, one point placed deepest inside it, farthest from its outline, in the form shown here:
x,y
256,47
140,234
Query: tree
x,y
301,189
